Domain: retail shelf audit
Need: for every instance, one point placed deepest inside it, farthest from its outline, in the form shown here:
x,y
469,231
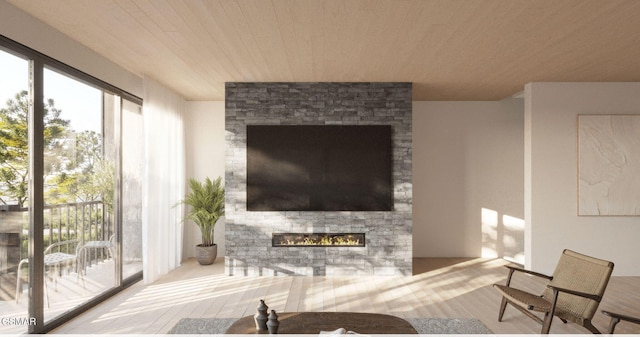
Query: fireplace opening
x,y
317,240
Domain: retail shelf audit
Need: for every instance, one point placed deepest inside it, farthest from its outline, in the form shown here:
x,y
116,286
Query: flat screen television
x,y
319,168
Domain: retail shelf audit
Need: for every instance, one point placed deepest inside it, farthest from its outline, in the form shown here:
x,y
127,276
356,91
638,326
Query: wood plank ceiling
x,y
449,49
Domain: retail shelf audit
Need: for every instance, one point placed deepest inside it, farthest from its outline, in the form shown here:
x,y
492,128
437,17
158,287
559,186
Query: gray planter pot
x,y
206,254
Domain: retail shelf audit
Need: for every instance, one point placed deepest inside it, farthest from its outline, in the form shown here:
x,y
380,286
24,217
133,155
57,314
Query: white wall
x,y
204,130
468,180
467,156
27,30
551,176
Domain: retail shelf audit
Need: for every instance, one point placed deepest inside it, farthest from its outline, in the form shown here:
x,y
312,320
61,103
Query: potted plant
x,y
206,206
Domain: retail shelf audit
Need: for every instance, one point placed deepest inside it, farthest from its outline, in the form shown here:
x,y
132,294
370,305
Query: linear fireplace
x,y
317,240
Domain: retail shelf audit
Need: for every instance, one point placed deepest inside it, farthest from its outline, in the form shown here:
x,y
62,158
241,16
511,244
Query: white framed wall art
x,y
609,165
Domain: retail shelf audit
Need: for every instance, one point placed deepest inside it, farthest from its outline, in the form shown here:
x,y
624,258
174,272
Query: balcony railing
x,y
82,221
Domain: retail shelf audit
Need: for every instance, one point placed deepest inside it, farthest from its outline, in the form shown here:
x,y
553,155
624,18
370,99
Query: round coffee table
x,y
314,322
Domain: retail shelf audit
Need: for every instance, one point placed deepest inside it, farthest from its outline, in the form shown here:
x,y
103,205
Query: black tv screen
x,y
319,168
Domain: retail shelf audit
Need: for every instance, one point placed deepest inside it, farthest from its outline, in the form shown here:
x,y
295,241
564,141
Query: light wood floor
x,y
440,288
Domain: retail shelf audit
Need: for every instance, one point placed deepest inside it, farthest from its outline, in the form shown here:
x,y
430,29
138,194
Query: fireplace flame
x,y
319,240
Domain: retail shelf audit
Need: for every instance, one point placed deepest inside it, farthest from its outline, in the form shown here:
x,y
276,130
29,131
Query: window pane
x,y
14,167
78,193
131,188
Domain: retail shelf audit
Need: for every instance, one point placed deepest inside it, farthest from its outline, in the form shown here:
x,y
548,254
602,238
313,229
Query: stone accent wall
x,y
388,249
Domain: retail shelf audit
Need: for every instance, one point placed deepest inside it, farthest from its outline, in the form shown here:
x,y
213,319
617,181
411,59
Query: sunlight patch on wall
x,y
489,233
513,239
502,236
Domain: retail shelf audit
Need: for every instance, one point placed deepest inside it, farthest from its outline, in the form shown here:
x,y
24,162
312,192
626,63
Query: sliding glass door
x,y
70,190
14,191
79,188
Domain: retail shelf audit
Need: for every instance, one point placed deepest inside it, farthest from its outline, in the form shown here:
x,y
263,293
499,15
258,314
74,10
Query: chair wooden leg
x,y
503,306
546,325
612,325
590,327
548,316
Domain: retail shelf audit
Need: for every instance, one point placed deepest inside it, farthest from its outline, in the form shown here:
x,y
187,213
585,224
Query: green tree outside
x,y
14,145
74,166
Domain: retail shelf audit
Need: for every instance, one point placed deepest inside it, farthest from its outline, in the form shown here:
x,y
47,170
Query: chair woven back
x,y
582,273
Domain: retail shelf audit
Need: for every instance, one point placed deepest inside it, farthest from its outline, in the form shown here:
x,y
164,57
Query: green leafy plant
x,y
206,206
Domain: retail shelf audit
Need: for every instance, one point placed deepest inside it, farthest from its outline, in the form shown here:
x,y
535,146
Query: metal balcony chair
x,y
54,259
573,293
107,245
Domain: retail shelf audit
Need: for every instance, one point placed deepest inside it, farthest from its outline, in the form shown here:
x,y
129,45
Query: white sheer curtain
x,y
164,180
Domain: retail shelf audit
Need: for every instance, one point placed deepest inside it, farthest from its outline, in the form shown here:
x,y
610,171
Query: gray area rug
x,y
432,326
442,326
196,326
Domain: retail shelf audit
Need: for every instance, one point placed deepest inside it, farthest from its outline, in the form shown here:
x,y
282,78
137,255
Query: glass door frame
x,y
37,63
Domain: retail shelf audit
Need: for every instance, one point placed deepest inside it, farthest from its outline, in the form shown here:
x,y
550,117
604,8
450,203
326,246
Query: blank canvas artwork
x,y
609,165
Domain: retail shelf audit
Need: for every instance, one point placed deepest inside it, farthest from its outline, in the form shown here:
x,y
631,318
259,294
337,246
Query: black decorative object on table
x,y
261,316
272,323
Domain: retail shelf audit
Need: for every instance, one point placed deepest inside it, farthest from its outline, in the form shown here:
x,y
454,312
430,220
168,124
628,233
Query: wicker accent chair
x,y
573,293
